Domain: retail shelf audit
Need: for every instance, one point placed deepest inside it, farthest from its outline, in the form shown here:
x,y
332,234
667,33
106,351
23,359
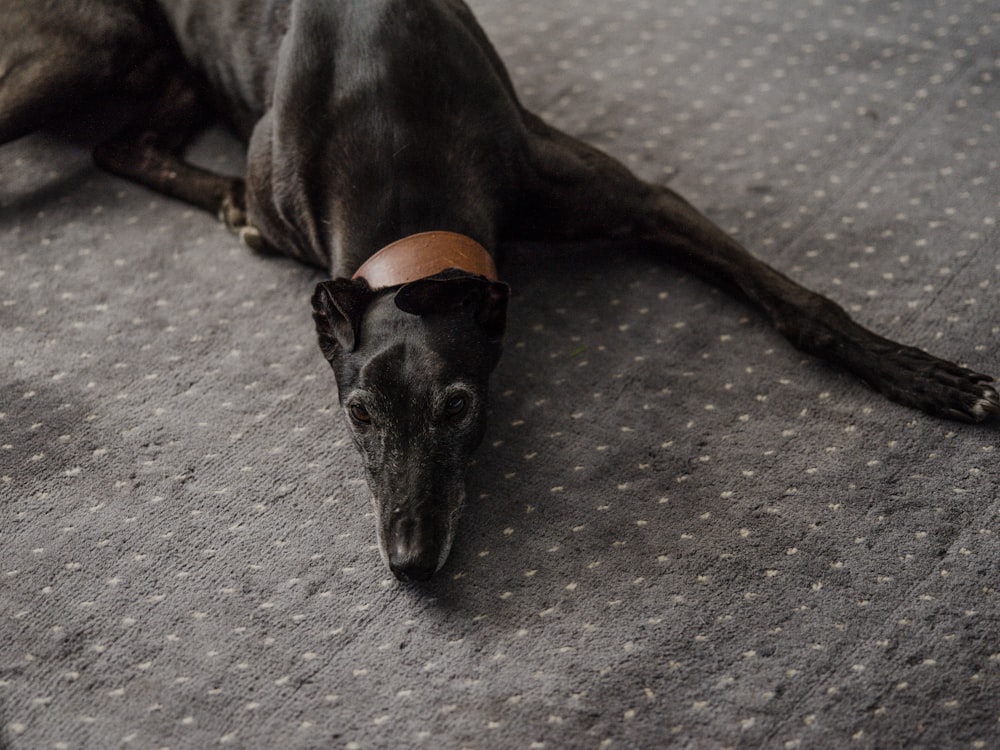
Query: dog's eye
x,y
360,414
456,407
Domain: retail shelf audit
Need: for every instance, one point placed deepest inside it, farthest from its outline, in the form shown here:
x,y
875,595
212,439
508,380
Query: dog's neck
x,y
426,254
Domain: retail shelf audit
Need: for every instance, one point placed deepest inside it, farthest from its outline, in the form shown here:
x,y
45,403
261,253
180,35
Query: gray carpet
x,y
680,530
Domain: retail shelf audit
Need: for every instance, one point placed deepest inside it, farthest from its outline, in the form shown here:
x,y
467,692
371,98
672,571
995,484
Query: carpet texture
x,y
681,532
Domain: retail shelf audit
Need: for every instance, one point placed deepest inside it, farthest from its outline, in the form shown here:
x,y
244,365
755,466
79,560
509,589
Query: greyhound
x,y
386,144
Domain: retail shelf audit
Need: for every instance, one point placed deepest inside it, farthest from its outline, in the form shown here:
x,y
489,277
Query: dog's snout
x,y
410,567
413,555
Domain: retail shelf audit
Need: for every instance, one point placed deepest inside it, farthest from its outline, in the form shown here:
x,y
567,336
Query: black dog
x,y
378,122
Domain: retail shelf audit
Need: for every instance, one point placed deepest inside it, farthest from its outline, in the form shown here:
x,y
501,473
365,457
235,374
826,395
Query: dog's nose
x,y
407,566
412,549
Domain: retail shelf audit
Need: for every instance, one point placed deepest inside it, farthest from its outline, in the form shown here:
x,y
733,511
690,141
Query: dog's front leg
x,y
139,157
149,152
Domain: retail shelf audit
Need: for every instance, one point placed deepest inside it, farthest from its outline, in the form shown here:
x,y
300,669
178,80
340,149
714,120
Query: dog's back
x,y
395,109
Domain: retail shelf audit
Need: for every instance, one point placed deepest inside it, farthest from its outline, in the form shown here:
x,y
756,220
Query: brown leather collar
x,y
421,255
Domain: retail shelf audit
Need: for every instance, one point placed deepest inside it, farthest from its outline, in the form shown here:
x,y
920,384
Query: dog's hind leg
x,y
33,93
52,63
52,60
572,191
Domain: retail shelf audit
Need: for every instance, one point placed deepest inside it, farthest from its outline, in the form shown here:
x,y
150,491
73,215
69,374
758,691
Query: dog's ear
x,y
338,306
444,294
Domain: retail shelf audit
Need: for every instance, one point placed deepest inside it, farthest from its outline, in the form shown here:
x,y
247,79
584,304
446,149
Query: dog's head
x,y
412,365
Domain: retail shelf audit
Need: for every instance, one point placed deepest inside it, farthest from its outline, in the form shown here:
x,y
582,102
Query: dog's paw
x,y
232,210
250,236
988,403
972,401
916,378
